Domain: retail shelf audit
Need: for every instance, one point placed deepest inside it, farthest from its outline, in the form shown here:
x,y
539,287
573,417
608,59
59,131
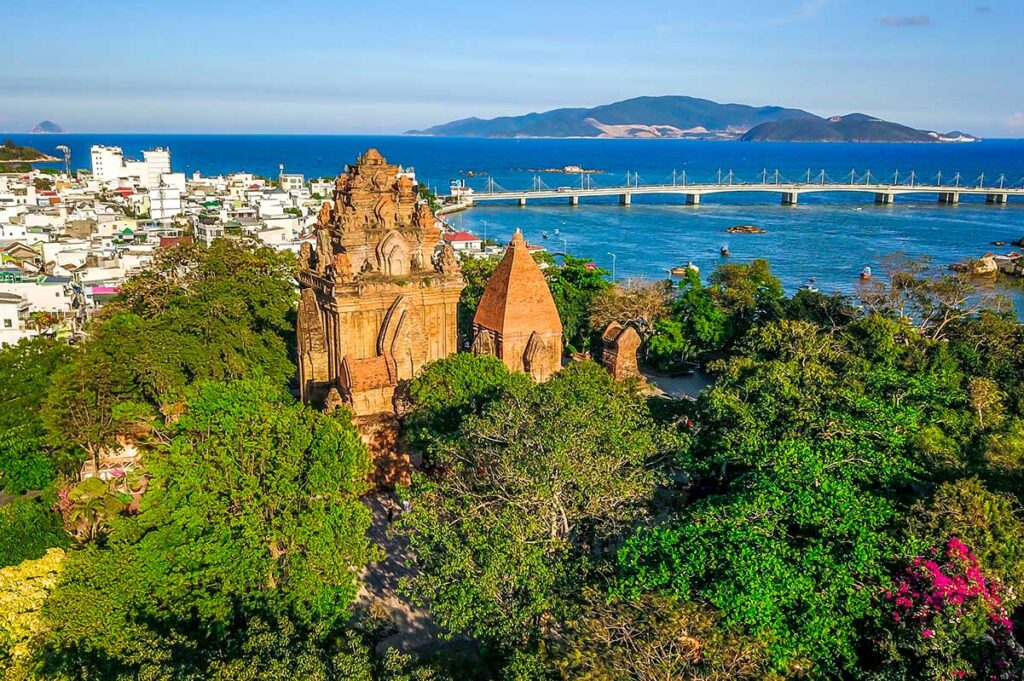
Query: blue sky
x,y
317,66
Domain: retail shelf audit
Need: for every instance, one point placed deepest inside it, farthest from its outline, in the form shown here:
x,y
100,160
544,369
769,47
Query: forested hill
x,y
855,127
14,153
680,117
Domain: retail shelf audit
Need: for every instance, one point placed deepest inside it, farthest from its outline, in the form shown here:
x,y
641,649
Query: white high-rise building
x,y
109,166
107,162
158,162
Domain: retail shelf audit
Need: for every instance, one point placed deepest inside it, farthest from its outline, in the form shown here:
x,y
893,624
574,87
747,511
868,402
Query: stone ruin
x,y
379,297
620,345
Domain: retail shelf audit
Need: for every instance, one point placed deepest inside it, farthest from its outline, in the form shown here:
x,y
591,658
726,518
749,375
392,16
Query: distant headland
x,y
15,153
680,117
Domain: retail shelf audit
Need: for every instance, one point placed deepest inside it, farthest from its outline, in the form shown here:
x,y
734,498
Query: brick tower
x,y
516,320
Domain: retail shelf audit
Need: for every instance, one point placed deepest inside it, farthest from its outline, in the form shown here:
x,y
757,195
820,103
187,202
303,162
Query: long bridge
x,y
884,192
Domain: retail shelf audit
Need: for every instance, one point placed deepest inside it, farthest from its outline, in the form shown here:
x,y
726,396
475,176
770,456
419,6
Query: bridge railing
x,y
765,179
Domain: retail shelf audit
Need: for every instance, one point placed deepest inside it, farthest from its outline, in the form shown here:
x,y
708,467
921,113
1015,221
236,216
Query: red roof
x,y
171,241
461,236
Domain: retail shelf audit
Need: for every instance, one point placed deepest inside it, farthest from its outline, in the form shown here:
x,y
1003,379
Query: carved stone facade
x,y
516,320
618,356
379,293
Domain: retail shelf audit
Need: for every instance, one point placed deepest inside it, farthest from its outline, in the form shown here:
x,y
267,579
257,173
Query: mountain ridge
x,y
683,117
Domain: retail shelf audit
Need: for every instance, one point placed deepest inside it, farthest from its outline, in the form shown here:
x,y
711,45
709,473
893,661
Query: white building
x,y
464,241
165,197
111,169
14,317
290,182
158,162
324,188
207,234
164,202
107,162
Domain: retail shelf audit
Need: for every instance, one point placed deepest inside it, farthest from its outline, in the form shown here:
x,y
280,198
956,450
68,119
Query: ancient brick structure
x,y
516,320
378,294
618,356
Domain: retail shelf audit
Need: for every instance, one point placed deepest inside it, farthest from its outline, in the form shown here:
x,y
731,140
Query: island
x,y
856,127
47,128
681,117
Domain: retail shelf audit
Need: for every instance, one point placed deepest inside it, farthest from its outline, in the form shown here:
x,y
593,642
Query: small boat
x,y
725,251
865,273
684,270
557,232
544,234
809,286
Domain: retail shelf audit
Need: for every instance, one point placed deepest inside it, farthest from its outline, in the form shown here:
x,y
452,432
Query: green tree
x,y
449,390
23,590
252,511
218,313
784,553
654,638
544,476
25,460
28,527
986,521
574,285
476,272
748,293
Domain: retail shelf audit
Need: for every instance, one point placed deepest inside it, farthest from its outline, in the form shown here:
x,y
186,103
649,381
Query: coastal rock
x,y
746,229
980,267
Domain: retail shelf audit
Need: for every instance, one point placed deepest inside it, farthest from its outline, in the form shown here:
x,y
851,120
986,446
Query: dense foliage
x,y
232,548
26,462
844,500
252,511
530,486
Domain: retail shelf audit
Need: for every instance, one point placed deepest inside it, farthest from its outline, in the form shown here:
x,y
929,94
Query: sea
x,y
827,238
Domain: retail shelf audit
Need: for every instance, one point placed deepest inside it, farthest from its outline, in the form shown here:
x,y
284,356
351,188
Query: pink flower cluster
x,y
63,503
948,584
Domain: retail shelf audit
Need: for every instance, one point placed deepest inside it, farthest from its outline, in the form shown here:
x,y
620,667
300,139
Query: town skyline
x,y
263,69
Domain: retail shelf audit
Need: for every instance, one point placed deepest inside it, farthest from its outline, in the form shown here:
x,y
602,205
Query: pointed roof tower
x,y
517,301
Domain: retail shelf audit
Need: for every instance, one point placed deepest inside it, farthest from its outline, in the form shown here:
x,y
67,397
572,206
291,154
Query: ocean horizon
x,y
829,238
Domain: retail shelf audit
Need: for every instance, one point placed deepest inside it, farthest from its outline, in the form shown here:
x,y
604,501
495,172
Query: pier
x,y
789,193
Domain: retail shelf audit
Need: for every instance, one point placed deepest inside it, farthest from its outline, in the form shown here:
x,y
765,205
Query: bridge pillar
x,y
693,199
574,200
996,198
949,197
789,198
884,198
522,200
625,199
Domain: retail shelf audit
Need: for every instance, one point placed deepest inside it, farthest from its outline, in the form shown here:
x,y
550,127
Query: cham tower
x,y
516,320
378,298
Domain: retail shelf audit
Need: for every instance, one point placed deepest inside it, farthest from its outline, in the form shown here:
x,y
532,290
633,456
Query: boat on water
x,y
865,273
544,234
809,286
724,251
557,231
683,270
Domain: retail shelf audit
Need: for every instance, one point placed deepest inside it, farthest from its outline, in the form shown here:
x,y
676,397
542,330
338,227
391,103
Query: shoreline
x,y
44,159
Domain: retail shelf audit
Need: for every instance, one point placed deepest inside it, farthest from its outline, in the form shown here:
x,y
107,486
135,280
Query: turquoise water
x,y
828,237
831,242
